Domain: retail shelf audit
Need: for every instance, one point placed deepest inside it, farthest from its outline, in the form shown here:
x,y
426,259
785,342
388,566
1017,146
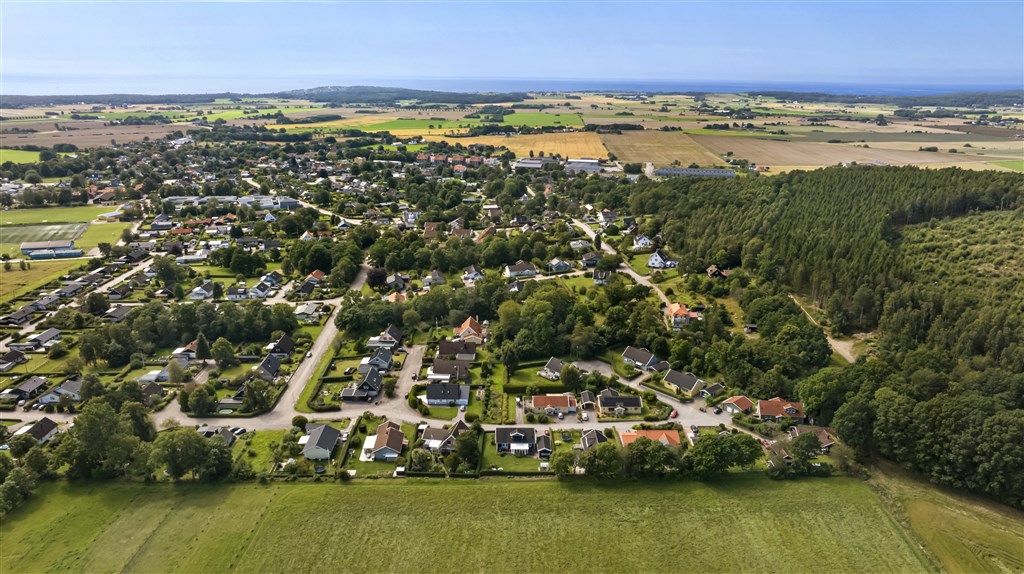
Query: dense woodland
x,y
945,392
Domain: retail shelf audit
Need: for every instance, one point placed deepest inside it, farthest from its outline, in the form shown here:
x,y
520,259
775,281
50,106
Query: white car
x,y
586,417
309,354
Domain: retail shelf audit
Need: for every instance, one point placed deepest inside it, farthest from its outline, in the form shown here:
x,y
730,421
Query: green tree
x,y
646,458
563,462
715,454
602,461
180,451
224,353
203,348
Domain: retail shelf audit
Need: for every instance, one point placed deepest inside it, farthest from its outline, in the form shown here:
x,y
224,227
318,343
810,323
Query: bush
x,y
470,417
299,421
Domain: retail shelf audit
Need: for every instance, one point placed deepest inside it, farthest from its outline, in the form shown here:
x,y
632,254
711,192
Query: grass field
x,y
572,144
15,282
782,153
1016,165
12,236
963,532
661,148
53,215
18,156
743,524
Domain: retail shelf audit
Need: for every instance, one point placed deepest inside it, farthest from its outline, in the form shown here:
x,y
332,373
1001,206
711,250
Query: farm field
x,y
964,533
661,148
85,133
1015,165
53,215
778,153
18,156
405,126
780,527
16,282
570,144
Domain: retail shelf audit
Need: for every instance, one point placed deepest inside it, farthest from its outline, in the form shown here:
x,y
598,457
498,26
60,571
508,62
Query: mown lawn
x,y
741,524
15,283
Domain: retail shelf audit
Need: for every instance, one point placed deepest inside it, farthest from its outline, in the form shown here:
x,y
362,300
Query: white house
x,y
201,292
642,242
658,260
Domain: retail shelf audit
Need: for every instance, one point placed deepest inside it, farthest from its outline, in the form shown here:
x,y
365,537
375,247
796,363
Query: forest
x,y
929,258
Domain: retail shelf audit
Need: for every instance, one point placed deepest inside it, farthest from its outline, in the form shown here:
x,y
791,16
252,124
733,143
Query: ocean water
x,y
12,84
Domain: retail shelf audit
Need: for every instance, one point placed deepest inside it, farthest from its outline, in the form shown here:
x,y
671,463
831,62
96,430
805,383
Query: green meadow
x,y
740,524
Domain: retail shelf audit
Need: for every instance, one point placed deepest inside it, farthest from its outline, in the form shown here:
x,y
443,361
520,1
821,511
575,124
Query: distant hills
x,y
377,95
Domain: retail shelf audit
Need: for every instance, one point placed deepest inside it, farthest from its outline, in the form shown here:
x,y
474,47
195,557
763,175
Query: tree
x,y
200,402
645,458
563,462
258,395
300,422
180,451
100,444
854,423
96,303
21,444
17,487
467,448
217,464
224,353
805,447
602,461
92,387
175,372
137,417
715,454
203,348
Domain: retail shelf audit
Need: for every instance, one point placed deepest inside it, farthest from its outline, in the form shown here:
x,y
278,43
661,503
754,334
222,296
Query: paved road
x,y
641,279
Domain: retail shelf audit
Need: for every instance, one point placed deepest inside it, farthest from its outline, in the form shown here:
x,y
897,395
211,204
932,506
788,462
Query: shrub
x,y
470,417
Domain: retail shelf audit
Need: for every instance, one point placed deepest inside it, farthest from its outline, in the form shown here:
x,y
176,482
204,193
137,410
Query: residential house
x,y
261,290
117,313
658,260
551,404
27,389
37,341
316,277
592,438
667,437
11,359
642,242
515,440
601,277
737,404
268,369
281,348
681,316
558,265
447,394
207,431
433,278
590,259
716,272
387,444
366,389
442,440
307,311
711,391
470,331
188,352
19,317
460,350
776,409
552,369
578,245
153,392
320,441
42,430
588,400
122,291
380,360
521,269
611,403
826,436
447,370
686,384
396,281
72,389
472,274
639,358
544,449
202,291
304,290
237,293
390,337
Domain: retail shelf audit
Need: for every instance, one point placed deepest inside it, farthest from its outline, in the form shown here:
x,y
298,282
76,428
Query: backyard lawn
x,y
819,525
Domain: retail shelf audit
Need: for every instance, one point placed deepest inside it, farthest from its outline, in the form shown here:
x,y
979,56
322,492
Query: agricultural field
x,y
16,282
571,144
85,133
1015,165
757,525
771,153
53,215
661,148
18,156
964,533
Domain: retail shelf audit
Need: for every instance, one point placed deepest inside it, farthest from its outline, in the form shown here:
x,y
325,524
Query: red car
x,y
673,414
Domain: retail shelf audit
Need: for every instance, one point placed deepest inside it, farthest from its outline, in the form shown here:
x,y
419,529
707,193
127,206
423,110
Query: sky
x,y
68,47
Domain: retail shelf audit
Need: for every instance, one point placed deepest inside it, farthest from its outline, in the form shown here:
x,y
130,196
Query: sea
x,y
12,84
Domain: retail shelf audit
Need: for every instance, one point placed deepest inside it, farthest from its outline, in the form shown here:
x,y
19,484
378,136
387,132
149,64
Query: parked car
x,y
673,414
695,429
21,403
717,411
238,431
309,354
586,417
462,408
561,416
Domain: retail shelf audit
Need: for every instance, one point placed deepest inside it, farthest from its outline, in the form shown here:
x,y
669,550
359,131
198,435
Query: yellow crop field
x,y
658,147
570,144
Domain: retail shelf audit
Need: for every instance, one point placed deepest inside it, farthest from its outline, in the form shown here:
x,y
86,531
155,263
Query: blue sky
x,y
70,47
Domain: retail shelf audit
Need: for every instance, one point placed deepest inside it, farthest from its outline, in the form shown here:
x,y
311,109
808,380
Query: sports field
x,y
12,236
570,144
53,215
743,524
